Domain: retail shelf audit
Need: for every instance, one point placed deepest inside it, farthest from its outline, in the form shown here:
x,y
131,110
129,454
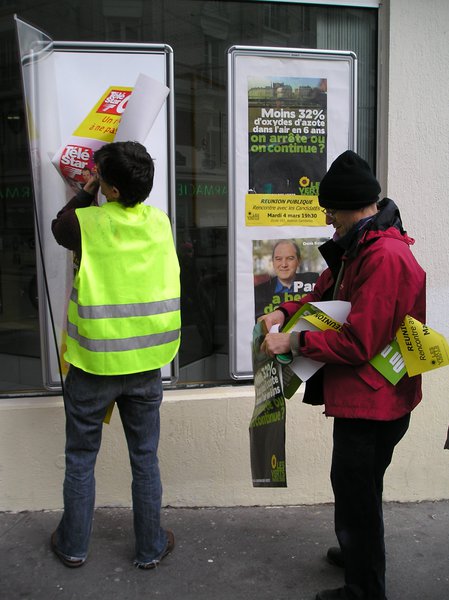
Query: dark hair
x,y
292,242
128,167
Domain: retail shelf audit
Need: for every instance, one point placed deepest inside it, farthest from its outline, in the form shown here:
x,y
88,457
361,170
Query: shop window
x,y
200,34
276,17
122,31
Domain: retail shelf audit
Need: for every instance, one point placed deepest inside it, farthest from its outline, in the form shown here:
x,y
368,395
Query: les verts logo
x,y
307,187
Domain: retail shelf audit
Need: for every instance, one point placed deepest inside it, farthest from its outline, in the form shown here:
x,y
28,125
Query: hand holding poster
x,y
415,349
121,114
63,81
336,312
267,426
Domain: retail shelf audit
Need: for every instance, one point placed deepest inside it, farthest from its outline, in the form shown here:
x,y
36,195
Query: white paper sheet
x,y
143,107
338,310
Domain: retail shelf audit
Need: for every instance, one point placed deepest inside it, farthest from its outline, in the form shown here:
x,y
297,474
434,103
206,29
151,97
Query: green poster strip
x,y
267,425
390,363
290,380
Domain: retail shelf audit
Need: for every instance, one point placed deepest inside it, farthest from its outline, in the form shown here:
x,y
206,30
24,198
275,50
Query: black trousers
x,y
361,454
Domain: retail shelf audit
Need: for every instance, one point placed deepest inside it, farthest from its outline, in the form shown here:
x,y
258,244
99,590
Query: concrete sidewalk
x,y
223,554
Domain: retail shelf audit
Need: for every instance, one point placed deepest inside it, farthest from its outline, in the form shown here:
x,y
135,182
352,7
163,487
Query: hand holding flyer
x,y
415,349
336,312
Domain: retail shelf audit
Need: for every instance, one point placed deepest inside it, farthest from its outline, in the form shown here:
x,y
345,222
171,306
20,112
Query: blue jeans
x,y
87,397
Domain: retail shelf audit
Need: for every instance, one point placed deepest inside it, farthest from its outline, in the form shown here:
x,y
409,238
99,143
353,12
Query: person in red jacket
x,y
370,265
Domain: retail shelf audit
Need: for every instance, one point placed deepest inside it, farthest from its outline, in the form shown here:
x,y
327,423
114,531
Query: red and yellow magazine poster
x,y
74,160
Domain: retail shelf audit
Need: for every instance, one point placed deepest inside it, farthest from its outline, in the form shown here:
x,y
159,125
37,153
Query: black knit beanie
x,y
349,184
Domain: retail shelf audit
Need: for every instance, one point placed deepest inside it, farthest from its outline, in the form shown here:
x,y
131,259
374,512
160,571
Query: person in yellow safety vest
x,y
123,325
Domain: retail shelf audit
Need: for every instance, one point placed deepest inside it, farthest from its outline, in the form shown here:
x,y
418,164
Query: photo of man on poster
x,y
283,272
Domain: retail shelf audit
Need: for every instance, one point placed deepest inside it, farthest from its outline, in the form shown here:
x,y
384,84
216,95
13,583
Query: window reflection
x,y
19,326
200,34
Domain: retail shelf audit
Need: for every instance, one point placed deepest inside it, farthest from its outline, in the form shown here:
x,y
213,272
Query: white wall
x,y
418,169
204,451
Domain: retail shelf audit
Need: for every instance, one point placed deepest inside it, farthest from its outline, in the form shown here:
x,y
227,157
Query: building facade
x,y
402,48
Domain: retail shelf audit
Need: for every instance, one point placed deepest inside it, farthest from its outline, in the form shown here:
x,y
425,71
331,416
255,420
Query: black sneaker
x,y
337,594
335,557
341,593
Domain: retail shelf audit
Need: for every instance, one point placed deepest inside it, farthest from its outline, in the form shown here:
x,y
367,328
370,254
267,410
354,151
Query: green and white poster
x,y
267,426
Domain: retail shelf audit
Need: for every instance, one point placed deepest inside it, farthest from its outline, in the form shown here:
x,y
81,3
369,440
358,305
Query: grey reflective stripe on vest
x,y
116,311
122,344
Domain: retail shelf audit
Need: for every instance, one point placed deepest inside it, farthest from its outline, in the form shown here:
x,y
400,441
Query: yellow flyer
x,y
104,118
322,321
273,210
415,349
422,348
108,416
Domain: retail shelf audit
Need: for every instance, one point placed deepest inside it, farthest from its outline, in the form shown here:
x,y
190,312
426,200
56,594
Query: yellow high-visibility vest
x,y
124,310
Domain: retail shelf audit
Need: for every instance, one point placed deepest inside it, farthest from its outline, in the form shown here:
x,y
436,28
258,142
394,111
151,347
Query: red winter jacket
x,y
383,282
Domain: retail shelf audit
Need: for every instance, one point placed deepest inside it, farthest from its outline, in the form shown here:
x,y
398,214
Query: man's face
x,y
343,220
285,262
109,192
